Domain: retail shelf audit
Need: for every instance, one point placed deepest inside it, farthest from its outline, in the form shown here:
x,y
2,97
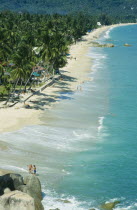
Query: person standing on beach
x,y
34,169
30,168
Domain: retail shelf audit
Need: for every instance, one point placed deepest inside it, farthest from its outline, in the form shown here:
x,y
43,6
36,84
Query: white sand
x,y
77,68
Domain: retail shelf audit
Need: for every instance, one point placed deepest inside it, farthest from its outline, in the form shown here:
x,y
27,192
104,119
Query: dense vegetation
x,y
113,7
27,41
30,40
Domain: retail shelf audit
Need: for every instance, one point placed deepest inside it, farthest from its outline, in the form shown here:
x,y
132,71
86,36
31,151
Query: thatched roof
x,y
38,68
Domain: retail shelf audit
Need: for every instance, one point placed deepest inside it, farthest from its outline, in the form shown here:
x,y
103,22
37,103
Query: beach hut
x,y
38,69
98,24
43,73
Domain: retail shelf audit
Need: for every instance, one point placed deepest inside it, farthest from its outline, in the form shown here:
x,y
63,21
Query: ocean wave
x,y
107,33
81,135
98,60
124,204
97,56
14,168
52,201
133,206
100,121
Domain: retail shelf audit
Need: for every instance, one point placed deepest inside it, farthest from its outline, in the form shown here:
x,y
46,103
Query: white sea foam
x,y
52,201
98,60
107,33
123,205
132,206
45,136
100,127
14,168
65,172
81,135
97,56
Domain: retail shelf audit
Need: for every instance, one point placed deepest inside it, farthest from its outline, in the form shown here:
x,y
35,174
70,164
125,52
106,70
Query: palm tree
x,y
54,49
5,49
1,73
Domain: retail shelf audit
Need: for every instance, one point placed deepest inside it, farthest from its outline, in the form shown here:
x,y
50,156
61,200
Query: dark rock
x,y
6,182
27,106
63,201
11,181
109,206
107,45
96,44
17,180
54,209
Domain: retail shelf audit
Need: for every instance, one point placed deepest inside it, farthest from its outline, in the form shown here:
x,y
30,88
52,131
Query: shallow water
x,y
85,151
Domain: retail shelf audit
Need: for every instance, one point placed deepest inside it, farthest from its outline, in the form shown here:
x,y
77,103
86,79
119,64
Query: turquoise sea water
x,y
86,149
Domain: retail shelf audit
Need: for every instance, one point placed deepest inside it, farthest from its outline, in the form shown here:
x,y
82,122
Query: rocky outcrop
x,y
54,209
127,45
109,206
17,180
13,184
63,201
11,181
27,189
96,44
33,183
108,45
16,200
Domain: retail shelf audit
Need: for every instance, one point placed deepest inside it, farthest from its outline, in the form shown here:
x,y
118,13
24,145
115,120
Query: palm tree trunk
x,y
28,81
12,92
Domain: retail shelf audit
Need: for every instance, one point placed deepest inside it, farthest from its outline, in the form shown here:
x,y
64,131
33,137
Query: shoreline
x,y
74,74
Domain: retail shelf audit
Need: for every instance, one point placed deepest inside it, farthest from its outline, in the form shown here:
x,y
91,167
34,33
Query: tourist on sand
x,y
34,169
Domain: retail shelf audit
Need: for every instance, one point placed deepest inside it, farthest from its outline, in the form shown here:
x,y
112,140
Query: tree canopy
x,y
113,7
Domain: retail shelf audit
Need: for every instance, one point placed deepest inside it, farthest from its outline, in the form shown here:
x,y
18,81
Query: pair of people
x,y
32,169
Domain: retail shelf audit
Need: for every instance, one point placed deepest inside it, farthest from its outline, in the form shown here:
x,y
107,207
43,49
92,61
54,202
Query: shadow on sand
x,y
65,93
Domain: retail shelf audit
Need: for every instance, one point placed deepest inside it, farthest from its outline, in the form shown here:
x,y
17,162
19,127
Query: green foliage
x,y
113,7
27,40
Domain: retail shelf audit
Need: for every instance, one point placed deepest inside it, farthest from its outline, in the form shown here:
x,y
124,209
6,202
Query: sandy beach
x,y
74,74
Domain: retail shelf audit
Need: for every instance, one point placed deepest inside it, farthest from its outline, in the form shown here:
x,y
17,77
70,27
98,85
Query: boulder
x,y
96,44
109,206
6,182
28,190
16,200
63,201
107,45
11,181
17,180
54,209
33,183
